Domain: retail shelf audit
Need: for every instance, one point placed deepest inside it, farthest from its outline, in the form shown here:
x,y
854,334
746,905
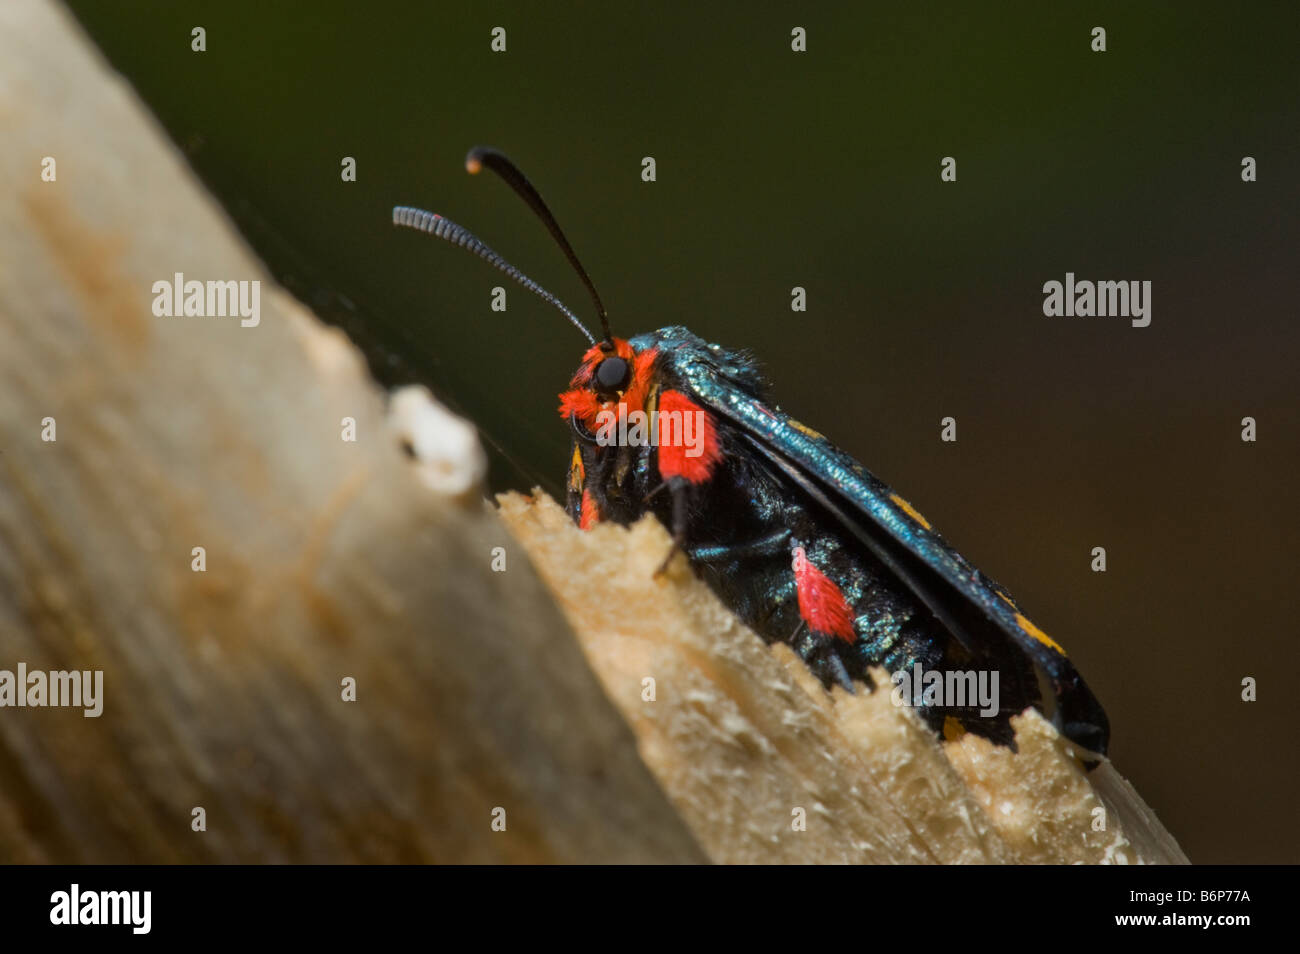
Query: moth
x,y
793,534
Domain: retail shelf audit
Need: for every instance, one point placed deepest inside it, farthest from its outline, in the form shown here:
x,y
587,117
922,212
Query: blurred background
x,y
821,169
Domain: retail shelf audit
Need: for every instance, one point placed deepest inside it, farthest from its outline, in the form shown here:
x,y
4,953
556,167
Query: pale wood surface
x,y
325,559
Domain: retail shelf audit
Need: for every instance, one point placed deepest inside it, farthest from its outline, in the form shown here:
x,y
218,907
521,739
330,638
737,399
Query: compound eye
x,y
612,376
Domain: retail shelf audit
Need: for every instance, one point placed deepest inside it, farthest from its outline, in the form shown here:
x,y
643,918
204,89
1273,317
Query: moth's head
x,y
611,373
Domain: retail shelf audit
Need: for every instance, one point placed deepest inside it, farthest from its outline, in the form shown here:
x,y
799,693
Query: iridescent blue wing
x,y
974,609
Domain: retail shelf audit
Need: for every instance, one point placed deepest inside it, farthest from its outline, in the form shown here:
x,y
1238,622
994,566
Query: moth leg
x,y
819,655
835,666
678,489
660,487
772,543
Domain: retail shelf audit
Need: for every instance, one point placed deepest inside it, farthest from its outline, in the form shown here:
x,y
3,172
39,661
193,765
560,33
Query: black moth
x,y
795,536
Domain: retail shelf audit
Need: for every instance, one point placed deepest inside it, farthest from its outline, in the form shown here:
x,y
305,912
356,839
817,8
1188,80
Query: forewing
x,y
972,607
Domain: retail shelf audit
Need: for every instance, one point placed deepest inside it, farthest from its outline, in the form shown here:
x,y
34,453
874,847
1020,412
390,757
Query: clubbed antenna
x,y
481,156
443,228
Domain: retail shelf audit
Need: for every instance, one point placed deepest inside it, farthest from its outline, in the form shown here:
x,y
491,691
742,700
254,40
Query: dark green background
x,y
821,169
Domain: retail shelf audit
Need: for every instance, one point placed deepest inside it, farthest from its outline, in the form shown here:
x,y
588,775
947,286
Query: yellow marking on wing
x,y
805,429
576,471
910,510
1008,600
1038,634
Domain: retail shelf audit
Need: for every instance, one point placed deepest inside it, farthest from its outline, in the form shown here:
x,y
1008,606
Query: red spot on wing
x,y
821,604
679,418
590,512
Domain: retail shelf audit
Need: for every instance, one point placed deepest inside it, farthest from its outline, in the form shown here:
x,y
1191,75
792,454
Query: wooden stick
x,y
325,559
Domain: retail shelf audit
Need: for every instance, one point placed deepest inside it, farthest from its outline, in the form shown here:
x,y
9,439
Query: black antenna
x,y
481,156
445,228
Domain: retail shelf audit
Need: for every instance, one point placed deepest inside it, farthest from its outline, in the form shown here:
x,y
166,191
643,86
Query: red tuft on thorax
x,y
688,443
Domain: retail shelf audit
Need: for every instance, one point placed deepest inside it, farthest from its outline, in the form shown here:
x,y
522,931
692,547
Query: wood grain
x,y
325,559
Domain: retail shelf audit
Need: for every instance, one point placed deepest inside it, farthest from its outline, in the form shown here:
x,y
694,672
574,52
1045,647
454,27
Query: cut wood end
x,y
765,765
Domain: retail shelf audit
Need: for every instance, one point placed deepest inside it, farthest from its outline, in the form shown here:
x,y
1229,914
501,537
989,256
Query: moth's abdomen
x,y
788,571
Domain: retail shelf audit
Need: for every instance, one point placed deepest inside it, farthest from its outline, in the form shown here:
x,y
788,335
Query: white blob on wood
x,y
445,447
